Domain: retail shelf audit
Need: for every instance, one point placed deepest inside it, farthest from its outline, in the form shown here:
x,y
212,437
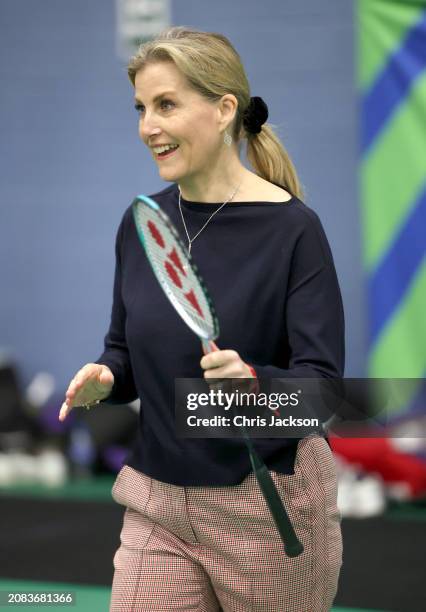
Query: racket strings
x,y
175,273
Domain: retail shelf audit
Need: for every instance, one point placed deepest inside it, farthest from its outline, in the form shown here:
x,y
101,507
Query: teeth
x,y
164,148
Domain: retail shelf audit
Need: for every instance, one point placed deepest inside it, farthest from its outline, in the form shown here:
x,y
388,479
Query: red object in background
x,y
378,455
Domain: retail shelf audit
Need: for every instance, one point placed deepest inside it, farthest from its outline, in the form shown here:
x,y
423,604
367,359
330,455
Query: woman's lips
x,y
166,155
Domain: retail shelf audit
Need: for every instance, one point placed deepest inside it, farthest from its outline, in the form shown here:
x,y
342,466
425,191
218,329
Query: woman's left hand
x,y
224,364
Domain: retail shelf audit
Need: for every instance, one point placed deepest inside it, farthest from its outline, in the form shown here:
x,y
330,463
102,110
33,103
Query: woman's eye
x,y
139,108
167,104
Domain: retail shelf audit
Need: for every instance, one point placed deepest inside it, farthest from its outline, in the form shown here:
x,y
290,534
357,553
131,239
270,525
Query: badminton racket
x,y
181,282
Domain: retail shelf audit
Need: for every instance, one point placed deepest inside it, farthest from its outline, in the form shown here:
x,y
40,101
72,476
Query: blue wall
x,y
71,160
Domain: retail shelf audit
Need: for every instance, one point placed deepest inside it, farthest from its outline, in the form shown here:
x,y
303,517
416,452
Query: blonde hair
x,y
213,68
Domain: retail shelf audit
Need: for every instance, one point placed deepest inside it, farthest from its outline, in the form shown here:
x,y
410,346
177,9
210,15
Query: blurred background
x,y
345,82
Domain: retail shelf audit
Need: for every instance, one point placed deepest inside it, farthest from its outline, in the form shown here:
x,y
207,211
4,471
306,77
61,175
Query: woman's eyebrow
x,y
161,95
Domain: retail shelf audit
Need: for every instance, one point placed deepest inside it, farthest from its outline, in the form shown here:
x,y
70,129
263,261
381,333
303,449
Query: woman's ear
x,y
227,109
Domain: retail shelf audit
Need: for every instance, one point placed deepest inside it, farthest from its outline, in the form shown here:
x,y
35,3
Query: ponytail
x,y
270,160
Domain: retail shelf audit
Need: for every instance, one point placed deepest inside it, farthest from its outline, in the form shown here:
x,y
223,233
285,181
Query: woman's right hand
x,y
92,383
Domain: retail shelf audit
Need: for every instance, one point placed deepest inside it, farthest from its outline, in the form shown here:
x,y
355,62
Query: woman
x,y
197,534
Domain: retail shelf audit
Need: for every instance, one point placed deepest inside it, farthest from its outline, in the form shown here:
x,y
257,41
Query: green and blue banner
x,y
391,79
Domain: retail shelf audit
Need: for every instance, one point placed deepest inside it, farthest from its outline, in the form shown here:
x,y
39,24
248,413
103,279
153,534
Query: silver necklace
x,y
191,240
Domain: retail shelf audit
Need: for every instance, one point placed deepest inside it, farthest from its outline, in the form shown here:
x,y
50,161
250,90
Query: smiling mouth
x,y
162,154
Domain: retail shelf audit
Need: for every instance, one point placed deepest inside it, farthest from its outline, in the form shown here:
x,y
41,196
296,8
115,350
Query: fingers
x,y
224,364
63,413
238,371
92,383
217,359
78,381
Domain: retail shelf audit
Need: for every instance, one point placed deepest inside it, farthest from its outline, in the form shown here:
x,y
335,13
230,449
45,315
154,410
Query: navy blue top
x,y
270,273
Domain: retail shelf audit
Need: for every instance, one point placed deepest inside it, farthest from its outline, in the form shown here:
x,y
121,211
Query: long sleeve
x,y
314,317
116,353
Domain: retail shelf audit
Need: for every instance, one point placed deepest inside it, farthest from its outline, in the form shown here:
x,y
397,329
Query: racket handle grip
x,y
292,545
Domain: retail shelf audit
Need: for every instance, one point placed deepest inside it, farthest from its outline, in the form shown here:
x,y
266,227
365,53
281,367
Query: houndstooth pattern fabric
x,y
212,549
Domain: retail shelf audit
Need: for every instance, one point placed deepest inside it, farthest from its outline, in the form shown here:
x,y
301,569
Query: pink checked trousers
x,y
207,549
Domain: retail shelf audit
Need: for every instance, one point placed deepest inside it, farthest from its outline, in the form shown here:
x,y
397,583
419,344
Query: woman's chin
x,y
169,174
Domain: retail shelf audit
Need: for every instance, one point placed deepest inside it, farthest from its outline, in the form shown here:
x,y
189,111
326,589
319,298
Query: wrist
x,y
254,385
252,370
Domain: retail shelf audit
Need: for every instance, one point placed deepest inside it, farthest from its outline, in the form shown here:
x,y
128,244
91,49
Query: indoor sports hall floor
x,y
64,539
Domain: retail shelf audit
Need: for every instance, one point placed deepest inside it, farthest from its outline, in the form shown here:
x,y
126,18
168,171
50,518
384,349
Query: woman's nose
x,y
147,128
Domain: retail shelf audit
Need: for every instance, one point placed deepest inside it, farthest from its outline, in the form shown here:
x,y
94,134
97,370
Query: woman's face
x,y
171,113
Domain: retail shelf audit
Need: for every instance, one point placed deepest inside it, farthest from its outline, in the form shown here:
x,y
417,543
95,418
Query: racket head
x,y
174,268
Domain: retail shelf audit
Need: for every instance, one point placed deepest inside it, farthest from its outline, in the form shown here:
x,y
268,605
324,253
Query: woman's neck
x,y
214,185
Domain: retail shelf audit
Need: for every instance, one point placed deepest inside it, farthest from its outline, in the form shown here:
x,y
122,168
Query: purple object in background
x,y
48,416
114,457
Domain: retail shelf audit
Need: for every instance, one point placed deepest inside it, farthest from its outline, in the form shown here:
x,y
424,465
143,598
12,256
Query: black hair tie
x,y
255,115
